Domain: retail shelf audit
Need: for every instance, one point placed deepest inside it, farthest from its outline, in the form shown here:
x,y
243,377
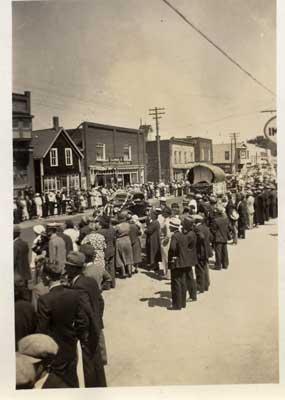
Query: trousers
x,y
178,287
222,258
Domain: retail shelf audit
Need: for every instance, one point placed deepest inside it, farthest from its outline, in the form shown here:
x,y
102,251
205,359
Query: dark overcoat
x,y
273,203
183,246
259,209
61,316
21,259
134,234
153,247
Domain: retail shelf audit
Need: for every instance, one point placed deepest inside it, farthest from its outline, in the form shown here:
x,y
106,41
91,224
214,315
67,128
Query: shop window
x,y
68,157
53,157
100,152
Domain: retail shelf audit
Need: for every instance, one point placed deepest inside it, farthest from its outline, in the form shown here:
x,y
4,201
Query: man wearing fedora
x,y
93,306
61,316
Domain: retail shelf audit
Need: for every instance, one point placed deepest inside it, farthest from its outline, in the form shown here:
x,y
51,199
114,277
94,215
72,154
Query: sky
x,y
110,61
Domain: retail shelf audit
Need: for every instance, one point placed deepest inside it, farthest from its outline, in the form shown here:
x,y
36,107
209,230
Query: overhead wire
x,y
238,65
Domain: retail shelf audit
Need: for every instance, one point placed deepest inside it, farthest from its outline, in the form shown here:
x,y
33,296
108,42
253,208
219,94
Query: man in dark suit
x,y
61,316
204,252
21,256
221,229
25,316
93,306
178,262
153,245
242,211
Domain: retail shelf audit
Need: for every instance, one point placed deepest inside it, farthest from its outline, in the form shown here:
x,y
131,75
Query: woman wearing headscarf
x,y
124,253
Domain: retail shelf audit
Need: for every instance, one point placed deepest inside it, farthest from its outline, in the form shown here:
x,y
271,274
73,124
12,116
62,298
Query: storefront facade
x,y
112,154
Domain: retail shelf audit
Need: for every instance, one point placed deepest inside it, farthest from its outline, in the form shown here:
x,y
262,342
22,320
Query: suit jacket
x,y
204,250
242,210
25,319
183,246
153,247
93,305
21,259
61,316
220,229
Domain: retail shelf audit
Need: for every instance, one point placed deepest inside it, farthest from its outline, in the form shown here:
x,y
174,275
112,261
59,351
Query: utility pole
x,y
234,138
156,114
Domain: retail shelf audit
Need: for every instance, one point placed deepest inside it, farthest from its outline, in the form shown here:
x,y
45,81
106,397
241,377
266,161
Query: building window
x,y
50,183
185,157
175,157
227,155
53,157
179,157
209,154
127,155
100,152
247,154
202,155
68,157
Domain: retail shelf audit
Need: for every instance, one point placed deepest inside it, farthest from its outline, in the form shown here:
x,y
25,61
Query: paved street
x,y
230,335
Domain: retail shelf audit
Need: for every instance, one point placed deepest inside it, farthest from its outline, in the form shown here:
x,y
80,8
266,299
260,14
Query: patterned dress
x,y
98,242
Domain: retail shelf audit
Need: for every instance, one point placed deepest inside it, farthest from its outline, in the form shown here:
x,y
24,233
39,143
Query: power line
x,y
218,47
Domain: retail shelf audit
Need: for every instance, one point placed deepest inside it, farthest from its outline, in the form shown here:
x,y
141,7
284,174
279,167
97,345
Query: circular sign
x,y
270,129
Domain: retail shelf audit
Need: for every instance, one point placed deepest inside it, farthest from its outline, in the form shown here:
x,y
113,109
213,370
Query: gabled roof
x,y
43,140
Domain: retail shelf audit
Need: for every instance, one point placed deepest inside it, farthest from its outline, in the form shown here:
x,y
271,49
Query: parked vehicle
x,y
138,205
206,178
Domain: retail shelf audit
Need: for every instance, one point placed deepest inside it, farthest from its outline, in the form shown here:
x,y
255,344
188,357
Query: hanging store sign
x,y
270,129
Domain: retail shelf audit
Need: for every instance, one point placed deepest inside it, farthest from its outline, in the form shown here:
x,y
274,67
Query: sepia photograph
x,y
145,193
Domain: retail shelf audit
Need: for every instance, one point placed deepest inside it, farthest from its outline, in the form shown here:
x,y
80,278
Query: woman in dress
x,y
124,253
97,241
135,233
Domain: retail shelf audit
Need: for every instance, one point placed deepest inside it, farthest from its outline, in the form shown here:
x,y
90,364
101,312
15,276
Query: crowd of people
x,y
59,290
29,205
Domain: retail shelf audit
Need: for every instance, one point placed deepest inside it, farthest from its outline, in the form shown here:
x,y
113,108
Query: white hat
x,y
39,229
163,199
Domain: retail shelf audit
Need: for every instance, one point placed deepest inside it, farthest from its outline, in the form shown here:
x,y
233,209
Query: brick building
x,y
112,154
176,156
23,172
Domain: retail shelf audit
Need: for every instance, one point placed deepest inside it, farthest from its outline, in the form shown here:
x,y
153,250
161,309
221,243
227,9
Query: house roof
x,y
42,141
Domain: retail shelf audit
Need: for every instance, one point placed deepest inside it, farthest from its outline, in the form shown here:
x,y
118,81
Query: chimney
x,y
55,123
